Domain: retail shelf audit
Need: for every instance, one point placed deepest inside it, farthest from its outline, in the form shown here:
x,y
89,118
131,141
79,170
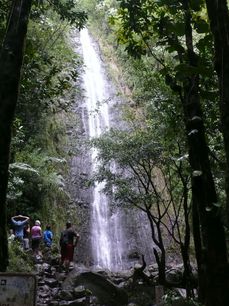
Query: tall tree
x,y
11,59
174,23
219,23
214,253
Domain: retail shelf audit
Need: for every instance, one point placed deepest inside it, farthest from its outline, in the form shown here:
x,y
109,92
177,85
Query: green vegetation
x,y
162,55
19,260
38,159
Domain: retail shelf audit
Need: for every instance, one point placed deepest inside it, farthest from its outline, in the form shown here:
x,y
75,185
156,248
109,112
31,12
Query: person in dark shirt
x,y
26,236
68,240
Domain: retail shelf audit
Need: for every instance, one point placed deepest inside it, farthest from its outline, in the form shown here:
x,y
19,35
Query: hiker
x,y
11,236
48,236
68,240
26,235
36,237
19,222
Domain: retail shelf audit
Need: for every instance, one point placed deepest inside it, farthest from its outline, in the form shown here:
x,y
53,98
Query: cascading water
x,y
107,233
118,235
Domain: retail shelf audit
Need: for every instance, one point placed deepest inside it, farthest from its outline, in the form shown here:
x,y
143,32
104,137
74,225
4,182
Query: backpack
x,y
64,238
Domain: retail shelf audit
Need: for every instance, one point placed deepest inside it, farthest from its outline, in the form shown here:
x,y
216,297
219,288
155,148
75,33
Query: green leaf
x,y
201,26
179,28
217,204
196,5
185,70
23,167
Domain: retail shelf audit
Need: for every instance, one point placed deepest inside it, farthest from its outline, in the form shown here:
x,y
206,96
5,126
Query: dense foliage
x,y
171,41
38,157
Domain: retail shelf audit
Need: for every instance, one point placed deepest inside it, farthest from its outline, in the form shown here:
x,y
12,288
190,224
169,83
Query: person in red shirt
x,y
68,240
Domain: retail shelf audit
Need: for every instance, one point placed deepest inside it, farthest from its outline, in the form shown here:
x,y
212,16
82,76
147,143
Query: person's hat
x,y
37,222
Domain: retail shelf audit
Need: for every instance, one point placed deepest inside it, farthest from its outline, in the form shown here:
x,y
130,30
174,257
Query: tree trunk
x,y
214,254
198,251
187,276
11,57
219,23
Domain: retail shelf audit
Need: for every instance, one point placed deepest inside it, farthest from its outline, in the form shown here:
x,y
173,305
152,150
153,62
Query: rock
x,y
66,295
174,276
44,288
46,267
38,269
48,275
117,280
60,276
106,291
134,255
153,268
78,302
181,292
41,282
105,273
137,266
64,303
44,295
51,282
80,292
38,259
82,287
123,285
55,292
94,300
55,261
81,301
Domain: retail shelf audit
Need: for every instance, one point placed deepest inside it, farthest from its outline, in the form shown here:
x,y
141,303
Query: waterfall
x,y
106,230
118,234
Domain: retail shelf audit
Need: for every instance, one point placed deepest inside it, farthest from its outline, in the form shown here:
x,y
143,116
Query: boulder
x,y
105,290
174,276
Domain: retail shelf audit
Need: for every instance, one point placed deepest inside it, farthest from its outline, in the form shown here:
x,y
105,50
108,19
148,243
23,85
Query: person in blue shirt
x,y
19,222
48,236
